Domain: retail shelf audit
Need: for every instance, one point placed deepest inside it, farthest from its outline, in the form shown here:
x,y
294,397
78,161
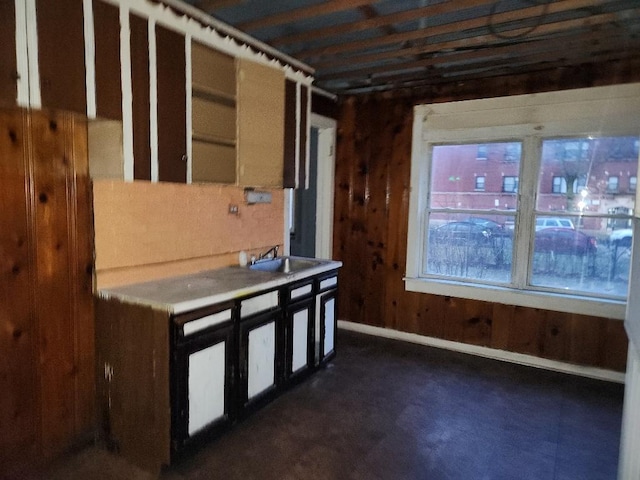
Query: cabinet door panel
x,y
172,133
140,102
261,359
300,340
206,385
329,325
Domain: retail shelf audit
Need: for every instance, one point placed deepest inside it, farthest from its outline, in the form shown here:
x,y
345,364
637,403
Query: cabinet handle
x,y
184,158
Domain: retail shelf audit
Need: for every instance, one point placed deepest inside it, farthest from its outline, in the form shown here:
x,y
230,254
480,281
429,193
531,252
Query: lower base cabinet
x,y
168,382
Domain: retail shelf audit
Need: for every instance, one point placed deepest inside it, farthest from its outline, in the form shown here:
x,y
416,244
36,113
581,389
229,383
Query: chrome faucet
x,y
273,250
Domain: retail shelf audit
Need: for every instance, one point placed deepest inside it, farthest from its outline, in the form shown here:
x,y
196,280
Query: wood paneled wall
x,y
146,231
370,231
46,302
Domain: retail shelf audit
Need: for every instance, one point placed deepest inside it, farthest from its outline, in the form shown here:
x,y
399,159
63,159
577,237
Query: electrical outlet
x,y
233,209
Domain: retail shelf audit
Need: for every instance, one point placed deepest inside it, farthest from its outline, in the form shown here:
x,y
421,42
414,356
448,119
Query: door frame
x,y
326,183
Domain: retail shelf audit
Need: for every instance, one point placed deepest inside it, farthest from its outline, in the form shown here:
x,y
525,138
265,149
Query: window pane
x,y
587,174
470,246
456,173
581,254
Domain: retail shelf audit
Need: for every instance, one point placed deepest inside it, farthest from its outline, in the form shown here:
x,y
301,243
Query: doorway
x,y
311,209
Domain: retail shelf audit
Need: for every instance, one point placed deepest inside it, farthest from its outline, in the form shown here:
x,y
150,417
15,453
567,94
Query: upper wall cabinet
x,y
129,61
213,76
260,124
172,133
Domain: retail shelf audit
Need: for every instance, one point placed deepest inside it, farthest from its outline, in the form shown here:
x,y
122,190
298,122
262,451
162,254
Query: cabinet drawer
x,y
328,281
299,291
189,325
259,303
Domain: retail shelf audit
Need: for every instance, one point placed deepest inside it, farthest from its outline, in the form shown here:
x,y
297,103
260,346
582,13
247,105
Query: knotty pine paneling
x,y
46,319
372,186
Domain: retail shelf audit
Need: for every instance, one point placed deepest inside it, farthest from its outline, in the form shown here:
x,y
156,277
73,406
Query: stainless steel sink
x,y
284,264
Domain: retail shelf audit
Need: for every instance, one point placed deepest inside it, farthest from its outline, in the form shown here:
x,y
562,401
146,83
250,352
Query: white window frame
x,y
599,111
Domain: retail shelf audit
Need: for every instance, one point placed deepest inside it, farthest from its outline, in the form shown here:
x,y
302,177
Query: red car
x,y
564,241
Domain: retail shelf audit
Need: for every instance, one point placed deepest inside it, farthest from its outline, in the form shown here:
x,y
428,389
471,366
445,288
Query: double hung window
x,y
545,222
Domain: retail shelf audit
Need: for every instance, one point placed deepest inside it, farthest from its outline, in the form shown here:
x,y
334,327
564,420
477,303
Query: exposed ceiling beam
x,y
211,5
570,53
382,20
370,13
453,27
587,39
302,13
479,41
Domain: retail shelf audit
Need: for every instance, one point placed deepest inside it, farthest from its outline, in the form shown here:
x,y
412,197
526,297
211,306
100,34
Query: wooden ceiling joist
x,y
380,21
453,27
478,41
302,13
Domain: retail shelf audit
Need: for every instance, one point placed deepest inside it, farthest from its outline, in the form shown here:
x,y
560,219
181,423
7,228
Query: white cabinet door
x,y
300,334
261,359
329,325
206,386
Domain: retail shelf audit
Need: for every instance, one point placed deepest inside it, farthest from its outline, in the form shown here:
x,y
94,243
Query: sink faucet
x,y
273,250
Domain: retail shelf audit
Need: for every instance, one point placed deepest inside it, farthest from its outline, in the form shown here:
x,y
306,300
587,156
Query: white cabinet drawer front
x,y
259,304
206,322
301,291
328,282
206,386
261,361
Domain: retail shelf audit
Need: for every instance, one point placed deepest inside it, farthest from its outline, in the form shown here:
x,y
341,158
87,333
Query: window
x,y
510,184
633,183
541,236
559,185
482,152
612,184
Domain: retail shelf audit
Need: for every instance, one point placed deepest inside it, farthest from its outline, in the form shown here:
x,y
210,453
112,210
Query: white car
x,y
621,238
553,222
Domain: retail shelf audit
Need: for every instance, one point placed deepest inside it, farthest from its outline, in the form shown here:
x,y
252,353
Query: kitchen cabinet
x,y
213,76
260,143
172,98
326,317
203,373
260,349
180,360
299,330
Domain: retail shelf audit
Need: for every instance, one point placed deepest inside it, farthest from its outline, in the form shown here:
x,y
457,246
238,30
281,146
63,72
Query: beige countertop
x,y
189,292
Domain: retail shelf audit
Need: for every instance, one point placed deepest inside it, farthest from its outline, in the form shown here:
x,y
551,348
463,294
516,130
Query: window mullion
x,y
529,168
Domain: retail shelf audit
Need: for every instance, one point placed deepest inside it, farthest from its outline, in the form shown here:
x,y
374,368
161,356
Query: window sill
x,y
524,298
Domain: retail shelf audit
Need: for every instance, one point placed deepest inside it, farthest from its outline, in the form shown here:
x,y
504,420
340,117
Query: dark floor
x,y
389,410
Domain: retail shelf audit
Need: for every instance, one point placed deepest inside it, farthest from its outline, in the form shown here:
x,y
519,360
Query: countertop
x,y
189,292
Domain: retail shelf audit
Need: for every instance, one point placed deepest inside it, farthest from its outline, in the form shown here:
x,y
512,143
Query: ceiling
x,y
359,46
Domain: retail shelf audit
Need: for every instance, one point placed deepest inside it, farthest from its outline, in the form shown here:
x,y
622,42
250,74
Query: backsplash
x,y
145,231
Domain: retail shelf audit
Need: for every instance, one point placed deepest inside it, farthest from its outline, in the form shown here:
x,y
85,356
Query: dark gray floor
x,y
390,410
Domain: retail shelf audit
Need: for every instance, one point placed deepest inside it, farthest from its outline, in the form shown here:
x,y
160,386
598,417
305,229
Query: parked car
x,y
494,227
564,241
462,233
553,222
621,238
